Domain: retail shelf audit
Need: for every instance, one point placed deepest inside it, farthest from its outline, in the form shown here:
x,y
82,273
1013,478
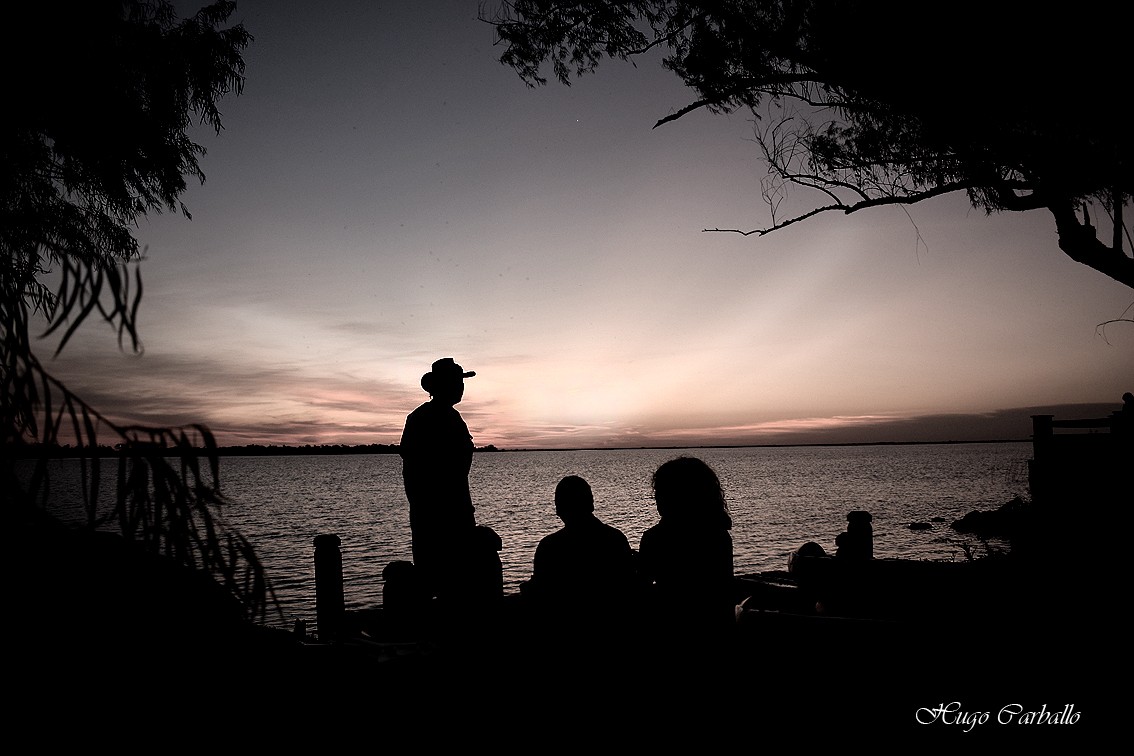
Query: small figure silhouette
x,y
1122,421
686,559
585,569
857,542
454,557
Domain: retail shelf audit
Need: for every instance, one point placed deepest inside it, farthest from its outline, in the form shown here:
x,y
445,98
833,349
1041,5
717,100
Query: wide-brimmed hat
x,y
444,372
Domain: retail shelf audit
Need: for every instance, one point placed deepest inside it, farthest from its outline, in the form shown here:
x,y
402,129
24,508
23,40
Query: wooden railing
x,y
1081,462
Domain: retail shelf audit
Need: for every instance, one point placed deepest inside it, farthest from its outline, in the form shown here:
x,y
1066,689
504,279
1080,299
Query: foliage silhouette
x,y
867,104
97,137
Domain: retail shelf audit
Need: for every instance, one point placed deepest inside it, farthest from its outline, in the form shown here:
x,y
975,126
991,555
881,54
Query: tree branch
x,y
773,86
847,209
1078,240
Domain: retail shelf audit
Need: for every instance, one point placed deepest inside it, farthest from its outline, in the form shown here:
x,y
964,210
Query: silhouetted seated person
x,y
456,560
405,599
858,540
845,584
798,560
685,561
583,573
481,578
1124,418
809,565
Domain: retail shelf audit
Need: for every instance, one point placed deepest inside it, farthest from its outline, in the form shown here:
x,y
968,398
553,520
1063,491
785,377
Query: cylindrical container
x,y
329,603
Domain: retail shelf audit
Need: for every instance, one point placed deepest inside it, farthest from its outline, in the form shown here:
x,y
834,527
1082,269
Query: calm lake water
x,y
779,498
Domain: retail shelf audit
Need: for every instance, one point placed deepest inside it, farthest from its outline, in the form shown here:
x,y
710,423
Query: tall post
x,y
329,604
1039,466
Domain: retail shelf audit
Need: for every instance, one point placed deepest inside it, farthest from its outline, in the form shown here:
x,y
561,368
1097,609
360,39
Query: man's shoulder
x,y
602,535
434,412
613,533
430,416
414,421
551,539
423,409
552,546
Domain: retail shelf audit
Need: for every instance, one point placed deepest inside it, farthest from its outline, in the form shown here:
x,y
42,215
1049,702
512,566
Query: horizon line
x,y
492,448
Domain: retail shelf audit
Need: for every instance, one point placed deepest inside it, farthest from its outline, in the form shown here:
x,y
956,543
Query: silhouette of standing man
x,y
450,552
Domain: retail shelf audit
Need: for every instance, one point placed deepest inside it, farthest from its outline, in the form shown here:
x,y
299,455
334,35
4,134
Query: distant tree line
x,y
261,450
57,451
251,450
64,451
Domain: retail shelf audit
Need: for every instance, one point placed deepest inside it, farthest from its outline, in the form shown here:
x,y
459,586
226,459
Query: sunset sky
x,y
386,193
